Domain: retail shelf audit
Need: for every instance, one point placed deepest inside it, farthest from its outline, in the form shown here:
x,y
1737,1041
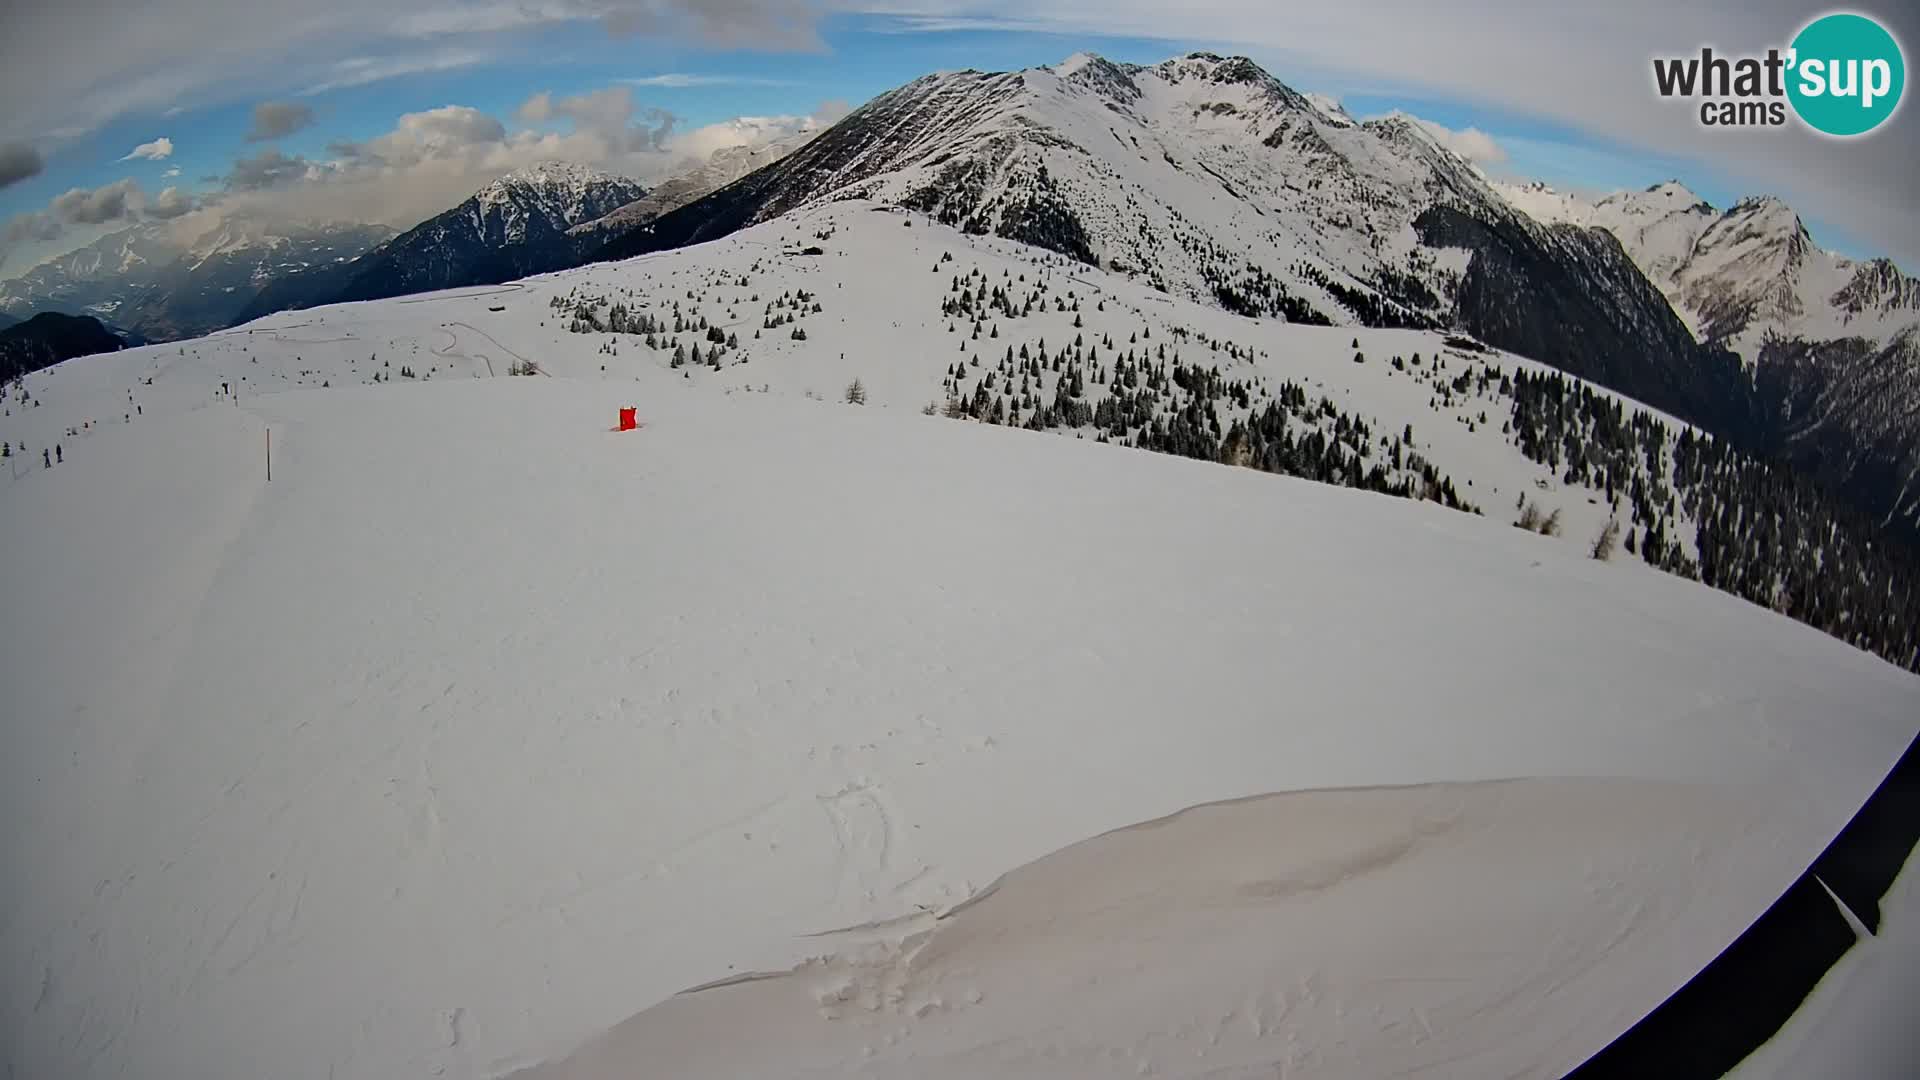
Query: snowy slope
x,y
482,730
903,360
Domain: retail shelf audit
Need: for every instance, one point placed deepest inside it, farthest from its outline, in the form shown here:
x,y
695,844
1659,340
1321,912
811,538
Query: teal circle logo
x,y
1846,74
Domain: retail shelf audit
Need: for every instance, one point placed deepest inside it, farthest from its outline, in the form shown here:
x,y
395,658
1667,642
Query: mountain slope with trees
x,y
1206,178
50,338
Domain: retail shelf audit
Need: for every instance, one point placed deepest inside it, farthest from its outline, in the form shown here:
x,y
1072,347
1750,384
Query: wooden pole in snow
x,y
269,455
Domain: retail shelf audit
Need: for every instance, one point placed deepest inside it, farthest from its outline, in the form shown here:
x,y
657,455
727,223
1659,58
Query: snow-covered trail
x,y
483,729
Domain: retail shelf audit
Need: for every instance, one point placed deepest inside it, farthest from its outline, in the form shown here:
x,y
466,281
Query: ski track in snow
x,y
481,730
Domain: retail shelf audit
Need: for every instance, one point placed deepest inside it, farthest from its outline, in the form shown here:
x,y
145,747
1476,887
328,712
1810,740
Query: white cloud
x,y
675,80
749,131
361,70
420,136
1470,142
158,150
537,109
170,203
76,66
170,173
609,115
907,22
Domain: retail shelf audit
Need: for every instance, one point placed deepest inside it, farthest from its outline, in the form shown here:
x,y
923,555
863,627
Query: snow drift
x,y
1458,930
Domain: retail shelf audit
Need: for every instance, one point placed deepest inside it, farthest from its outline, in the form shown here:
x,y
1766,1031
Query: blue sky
x,y
858,57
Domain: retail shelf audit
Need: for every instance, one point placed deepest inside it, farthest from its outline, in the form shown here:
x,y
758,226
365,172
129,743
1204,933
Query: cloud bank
x,y
18,161
72,67
432,159
116,205
277,119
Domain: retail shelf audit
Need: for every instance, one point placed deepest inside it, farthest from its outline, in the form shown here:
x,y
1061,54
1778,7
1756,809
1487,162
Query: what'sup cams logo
x,y
1842,75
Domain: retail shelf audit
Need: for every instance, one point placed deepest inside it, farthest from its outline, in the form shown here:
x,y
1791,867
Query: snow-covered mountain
x,y
99,279
1833,343
1206,178
696,180
220,274
516,225
1742,274
1202,175
481,731
150,281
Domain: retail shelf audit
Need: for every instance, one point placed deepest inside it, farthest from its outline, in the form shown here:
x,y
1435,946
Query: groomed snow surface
x,y
482,732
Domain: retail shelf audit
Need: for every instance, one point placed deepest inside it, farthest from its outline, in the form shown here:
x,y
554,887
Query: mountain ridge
x,y
1207,177
1830,344
513,227
160,286
693,181
50,338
